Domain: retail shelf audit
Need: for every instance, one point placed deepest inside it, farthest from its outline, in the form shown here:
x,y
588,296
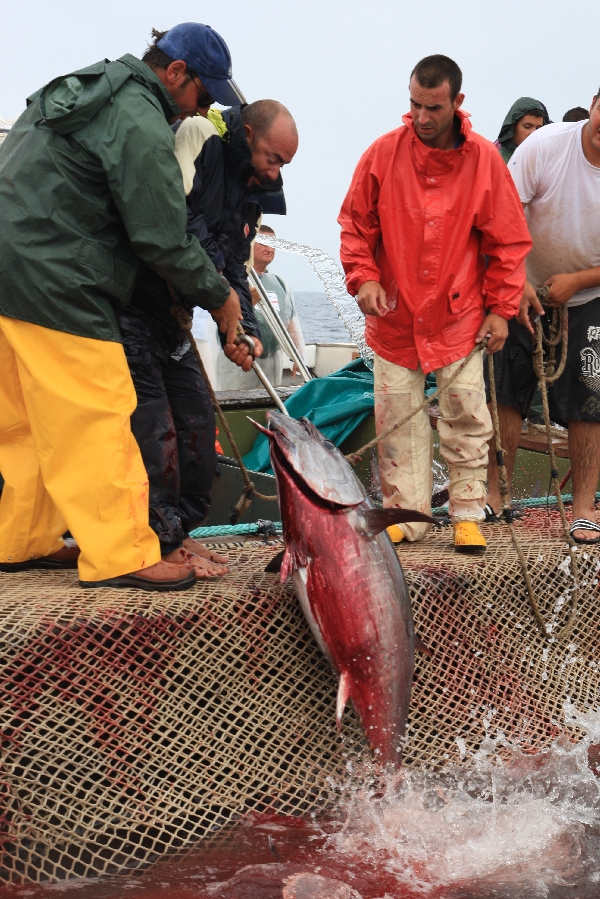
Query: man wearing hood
x,y
89,189
426,204
231,163
524,117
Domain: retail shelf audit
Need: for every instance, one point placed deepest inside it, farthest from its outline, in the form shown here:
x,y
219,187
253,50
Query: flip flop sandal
x,y
142,583
584,524
492,518
490,515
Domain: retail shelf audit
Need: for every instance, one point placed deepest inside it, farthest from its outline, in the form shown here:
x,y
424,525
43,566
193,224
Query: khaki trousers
x,y
67,454
405,456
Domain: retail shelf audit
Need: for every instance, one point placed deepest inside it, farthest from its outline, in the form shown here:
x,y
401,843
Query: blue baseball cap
x,y
206,53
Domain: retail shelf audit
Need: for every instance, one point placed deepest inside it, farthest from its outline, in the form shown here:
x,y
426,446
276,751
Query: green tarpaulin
x,y
336,404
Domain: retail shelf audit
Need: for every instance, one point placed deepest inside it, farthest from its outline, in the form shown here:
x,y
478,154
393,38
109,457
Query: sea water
x,y
319,319
522,828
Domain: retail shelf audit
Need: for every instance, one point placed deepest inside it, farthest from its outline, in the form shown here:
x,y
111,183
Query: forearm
x,y
240,285
503,286
358,262
589,277
192,274
196,225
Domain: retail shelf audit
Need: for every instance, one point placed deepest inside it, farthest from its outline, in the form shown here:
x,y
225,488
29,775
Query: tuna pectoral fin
x,y
377,520
274,566
286,563
343,695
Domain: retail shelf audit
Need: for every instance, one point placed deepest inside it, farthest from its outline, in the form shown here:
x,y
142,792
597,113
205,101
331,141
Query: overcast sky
x,y
341,66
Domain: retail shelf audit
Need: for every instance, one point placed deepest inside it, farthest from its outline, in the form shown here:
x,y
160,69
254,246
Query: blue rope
x,y
530,502
233,530
262,527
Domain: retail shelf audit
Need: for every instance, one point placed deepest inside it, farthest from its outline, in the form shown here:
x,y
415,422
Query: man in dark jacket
x,y
231,164
89,187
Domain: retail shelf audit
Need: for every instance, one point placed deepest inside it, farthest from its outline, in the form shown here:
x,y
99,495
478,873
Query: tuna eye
x,y
328,445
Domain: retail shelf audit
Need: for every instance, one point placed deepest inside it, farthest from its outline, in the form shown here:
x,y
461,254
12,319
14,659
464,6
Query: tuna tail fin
x,y
343,695
377,520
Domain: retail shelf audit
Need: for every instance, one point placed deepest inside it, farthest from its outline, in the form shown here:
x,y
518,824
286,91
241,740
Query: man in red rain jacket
x,y
427,204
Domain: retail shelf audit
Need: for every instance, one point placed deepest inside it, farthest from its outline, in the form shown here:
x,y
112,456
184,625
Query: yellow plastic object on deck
x,y
468,538
395,534
67,454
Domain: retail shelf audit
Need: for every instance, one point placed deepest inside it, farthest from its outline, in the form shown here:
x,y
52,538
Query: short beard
x,y
263,179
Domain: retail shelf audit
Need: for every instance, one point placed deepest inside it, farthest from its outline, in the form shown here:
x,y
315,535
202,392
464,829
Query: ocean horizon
x,y
319,319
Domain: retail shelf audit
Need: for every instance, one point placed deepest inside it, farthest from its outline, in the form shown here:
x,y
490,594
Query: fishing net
x,y
135,724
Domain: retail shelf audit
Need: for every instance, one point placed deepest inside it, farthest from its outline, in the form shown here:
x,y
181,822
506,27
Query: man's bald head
x,y
261,116
272,136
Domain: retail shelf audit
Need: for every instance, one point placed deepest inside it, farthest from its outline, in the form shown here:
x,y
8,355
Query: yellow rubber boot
x,y
468,538
395,534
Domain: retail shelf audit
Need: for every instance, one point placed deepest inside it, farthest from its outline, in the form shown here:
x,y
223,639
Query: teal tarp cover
x,y
336,404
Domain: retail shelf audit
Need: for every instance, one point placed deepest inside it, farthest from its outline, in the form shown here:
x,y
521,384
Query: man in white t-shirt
x,y
557,175
281,296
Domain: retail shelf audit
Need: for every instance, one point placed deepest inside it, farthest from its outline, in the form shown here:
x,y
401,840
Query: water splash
x,y
528,826
332,277
509,825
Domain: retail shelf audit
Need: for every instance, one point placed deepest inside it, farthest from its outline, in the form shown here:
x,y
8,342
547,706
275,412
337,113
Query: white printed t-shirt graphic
x,y
562,190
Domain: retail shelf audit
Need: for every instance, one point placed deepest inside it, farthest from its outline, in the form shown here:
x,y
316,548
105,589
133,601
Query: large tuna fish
x,y
347,577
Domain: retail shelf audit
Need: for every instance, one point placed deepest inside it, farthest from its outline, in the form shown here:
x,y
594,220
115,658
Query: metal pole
x,y
249,341
269,387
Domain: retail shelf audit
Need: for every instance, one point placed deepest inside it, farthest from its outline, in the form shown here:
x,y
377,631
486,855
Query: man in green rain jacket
x,y
89,186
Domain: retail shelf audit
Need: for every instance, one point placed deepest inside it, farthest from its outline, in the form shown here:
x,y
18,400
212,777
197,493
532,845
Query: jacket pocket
x,y
108,272
458,299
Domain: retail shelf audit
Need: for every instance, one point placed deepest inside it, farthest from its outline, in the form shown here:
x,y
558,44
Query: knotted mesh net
x,y
134,725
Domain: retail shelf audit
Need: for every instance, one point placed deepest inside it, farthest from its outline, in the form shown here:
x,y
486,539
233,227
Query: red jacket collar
x,y
465,125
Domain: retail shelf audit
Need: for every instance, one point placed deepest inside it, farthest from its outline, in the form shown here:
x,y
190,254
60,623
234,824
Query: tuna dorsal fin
x,y
377,520
274,566
343,695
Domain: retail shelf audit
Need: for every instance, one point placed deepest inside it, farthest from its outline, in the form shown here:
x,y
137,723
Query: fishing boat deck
x,y
134,724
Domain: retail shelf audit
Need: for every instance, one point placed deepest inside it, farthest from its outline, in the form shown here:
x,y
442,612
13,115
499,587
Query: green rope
x,y
232,530
529,502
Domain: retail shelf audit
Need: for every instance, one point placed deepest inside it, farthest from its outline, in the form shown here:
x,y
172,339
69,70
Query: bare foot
x,y
199,549
590,515
202,567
